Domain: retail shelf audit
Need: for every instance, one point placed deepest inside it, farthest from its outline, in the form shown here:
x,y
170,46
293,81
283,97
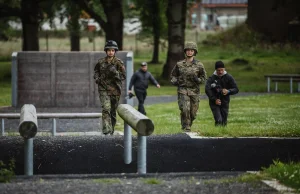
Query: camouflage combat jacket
x,y
188,76
109,76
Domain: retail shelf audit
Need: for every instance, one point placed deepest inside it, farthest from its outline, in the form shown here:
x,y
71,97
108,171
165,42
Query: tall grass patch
x,y
286,173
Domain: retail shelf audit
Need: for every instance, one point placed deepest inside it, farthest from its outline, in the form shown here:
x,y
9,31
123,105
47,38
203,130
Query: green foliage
x,y
286,173
240,36
243,37
7,171
107,180
152,181
146,9
97,7
5,70
253,179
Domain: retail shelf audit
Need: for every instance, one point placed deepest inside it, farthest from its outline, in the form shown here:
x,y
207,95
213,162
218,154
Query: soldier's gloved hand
x,y
196,79
174,81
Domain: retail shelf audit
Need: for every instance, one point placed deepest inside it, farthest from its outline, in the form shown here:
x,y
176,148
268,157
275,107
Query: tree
x,y
153,22
176,17
31,13
9,10
272,17
30,24
113,10
73,12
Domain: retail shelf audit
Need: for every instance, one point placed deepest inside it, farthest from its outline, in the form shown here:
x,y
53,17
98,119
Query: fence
x,y
52,116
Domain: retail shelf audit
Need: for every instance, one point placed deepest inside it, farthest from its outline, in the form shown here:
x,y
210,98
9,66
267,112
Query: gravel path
x,y
205,183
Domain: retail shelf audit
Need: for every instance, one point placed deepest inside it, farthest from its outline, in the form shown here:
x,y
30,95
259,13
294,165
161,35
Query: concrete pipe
x,y
139,122
28,121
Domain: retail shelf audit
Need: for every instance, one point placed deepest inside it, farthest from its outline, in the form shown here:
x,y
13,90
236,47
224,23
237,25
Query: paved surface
x,y
205,183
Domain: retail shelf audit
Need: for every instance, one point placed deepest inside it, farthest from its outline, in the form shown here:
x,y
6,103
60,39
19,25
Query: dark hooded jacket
x,y
215,84
140,80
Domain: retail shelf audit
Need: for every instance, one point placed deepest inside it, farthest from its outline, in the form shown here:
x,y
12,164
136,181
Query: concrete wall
x,y
60,79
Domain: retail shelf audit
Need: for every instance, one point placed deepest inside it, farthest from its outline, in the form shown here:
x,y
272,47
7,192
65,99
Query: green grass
x,y
5,84
287,174
250,74
262,115
5,94
152,181
107,180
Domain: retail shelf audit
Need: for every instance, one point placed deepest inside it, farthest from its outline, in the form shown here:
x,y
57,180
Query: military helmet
x,y
144,64
191,45
110,44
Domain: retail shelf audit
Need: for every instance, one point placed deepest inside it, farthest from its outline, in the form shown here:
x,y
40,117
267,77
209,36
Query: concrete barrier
x,y
59,79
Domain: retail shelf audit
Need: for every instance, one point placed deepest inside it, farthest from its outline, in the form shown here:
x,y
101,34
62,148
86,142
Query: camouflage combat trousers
x,y
109,105
188,106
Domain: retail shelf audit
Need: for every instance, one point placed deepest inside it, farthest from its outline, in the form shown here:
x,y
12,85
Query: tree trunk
x,y
176,16
75,42
74,27
156,29
113,10
30,25
114,26
272,17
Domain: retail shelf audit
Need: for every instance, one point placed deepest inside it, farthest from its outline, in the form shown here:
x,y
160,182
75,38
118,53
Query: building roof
x,y
224,3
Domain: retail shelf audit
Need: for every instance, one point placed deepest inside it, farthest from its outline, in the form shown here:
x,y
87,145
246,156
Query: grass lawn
x,y
270,115
248,67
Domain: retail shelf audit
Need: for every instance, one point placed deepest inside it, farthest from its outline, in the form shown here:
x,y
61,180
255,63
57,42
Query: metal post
x,y
14,79
291,85
54,127
141,163
28,157
127,144
2,128
127,128
298,86
136,44
276,86
94,44
47,41
268,84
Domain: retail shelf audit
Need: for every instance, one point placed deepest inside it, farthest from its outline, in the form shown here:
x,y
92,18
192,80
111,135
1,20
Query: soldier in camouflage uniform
x,y
187,75
108,74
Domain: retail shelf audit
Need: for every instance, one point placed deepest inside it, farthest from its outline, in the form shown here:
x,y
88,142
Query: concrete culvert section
x,y
28,121
165,153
